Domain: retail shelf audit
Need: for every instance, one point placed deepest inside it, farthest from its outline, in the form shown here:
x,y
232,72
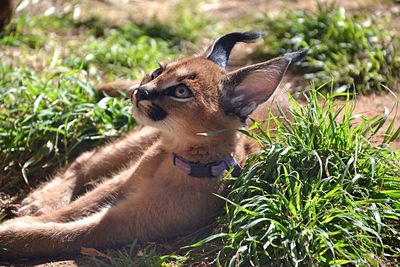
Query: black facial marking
x,y
153,94
156,113
142,93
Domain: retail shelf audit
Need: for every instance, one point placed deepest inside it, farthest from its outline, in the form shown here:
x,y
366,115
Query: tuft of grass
x,y
46,121
350,49
320,195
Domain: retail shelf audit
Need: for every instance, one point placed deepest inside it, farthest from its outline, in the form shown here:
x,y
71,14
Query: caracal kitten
x,y
159,180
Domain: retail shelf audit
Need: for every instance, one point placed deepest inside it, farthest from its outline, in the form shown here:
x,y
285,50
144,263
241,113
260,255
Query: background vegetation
x,y
354,50
322,192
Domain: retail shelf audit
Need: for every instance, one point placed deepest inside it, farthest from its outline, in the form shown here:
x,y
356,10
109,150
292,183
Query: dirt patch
x,y
376,104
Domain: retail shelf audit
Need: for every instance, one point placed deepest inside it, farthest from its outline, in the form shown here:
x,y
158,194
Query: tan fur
x,y
140,194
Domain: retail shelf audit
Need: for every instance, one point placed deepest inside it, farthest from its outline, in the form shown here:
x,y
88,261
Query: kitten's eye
x,y
181,91
156,72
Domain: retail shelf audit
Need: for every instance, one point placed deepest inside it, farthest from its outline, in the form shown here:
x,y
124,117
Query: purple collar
x,y
211,169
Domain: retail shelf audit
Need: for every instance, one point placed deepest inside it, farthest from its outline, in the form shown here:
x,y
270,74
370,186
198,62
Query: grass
x,y
348,48
320,193
52,119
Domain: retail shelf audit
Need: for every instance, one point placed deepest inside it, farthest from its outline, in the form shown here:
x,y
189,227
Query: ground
x,y
228,14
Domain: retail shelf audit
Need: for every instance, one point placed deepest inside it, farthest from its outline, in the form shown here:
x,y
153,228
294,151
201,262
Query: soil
x,y
376,104
120,12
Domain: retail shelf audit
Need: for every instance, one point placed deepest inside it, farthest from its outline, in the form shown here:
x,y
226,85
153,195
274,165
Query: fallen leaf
x,y
93,252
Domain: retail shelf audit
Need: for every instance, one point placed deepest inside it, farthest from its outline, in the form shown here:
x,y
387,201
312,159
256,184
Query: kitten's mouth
x,y
153,111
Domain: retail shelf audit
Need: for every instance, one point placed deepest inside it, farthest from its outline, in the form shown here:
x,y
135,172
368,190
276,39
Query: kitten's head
x,y
196,94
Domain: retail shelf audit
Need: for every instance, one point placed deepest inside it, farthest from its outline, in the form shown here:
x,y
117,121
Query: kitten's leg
x,y
123,223
110,191
90,166
104,194
143,215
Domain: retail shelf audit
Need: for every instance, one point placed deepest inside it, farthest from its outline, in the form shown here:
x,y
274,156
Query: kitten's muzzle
x,y
142,93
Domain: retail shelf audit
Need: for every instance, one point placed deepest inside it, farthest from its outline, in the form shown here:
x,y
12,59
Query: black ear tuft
x,y
221,49
298,56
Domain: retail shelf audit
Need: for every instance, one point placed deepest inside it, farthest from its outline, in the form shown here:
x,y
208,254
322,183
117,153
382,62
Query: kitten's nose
x,y
144,93
141,94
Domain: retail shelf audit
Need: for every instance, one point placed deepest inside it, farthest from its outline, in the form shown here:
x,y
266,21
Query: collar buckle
x,y
201,170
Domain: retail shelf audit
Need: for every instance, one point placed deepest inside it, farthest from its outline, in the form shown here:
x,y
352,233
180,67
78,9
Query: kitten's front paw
x,y
52,196
29,208
36,204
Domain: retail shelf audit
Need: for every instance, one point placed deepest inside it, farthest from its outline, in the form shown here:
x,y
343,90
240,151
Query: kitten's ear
x,y
220,50
246,88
